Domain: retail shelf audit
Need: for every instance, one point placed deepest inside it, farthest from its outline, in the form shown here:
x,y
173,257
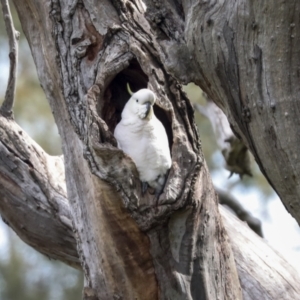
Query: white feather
x,y
143,137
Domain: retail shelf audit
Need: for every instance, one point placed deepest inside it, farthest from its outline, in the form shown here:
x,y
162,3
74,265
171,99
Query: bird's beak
x,y
149,106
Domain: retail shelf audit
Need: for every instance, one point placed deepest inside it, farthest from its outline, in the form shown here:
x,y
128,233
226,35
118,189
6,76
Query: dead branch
x,y
13,36
240,211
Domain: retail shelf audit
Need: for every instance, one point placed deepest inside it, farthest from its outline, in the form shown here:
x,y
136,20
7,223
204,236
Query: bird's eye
x,y
137,100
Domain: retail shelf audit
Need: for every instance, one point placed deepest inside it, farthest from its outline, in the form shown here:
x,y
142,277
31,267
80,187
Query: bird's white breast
x,y
146,142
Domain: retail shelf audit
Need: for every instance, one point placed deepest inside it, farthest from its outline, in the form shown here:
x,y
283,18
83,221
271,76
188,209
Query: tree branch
x,y
33,201
263,273
33,195
13,36
89,49
232,45
240,211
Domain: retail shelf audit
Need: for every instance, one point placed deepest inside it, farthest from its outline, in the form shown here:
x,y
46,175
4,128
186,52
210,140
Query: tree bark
x,y
122,237
40,215
255,259
86,51
33,195
247,56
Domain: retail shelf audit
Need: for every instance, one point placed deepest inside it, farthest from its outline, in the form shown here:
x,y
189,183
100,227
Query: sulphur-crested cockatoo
x,y
143,137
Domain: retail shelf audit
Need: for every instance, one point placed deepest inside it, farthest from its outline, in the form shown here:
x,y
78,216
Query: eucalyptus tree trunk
x,y
34,203
131,246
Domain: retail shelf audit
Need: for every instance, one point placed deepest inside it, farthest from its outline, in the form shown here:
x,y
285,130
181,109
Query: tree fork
x,y
34,204
96,48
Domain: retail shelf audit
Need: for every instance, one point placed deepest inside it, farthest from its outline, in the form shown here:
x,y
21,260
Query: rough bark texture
x,y
33,195
86,51
261,260
94,49
247,56
262,272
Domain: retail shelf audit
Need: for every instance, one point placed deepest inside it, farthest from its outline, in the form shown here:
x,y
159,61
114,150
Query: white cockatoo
x,y
143,137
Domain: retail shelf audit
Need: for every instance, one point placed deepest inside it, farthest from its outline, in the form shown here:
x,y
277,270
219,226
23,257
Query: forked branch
x,y
42,199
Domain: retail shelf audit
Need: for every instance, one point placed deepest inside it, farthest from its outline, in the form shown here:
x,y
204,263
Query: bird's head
x,y
141,104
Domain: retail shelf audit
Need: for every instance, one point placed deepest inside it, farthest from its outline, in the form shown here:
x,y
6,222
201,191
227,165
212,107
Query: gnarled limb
x,y
85,52
247,60
245,57
96,48
33,195
255,259
33,201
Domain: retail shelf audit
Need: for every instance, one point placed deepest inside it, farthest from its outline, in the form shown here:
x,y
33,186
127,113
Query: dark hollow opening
x,y
166,121
116,96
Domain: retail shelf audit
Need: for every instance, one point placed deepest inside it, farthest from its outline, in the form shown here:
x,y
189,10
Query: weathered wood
x,y
91,60
262,271
255,259
245,56
247,61
85,53
33,195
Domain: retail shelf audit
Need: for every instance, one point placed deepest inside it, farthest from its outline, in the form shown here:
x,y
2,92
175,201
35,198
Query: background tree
x,y
144,59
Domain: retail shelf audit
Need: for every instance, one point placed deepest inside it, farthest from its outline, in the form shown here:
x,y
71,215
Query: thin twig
x,y
13,36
